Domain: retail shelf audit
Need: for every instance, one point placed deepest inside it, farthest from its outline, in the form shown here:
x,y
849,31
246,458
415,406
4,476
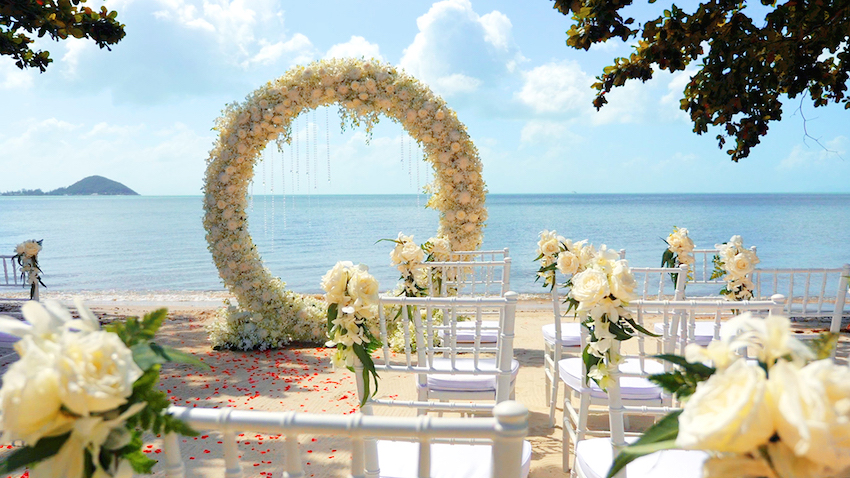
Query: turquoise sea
x,y
145,243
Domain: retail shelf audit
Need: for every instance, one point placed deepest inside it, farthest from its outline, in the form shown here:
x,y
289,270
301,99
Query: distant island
x,y
90,186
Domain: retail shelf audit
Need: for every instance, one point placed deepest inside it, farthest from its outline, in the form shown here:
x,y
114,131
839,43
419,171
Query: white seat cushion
x,y
594,457
466,332
570,334
466,382
631,388
703,331
399,459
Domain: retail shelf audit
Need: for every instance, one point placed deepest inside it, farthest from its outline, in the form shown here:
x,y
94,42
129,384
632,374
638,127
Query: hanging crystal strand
x,y
283,183
297,159
418,184
328,141
409,162
251,199
271,183
265,216
307,150
401,145
315,152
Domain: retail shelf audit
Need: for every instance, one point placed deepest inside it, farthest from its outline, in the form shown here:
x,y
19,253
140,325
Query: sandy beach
x,y
301,378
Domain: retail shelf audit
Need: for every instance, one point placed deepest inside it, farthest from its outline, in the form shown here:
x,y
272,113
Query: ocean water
x,y
144,243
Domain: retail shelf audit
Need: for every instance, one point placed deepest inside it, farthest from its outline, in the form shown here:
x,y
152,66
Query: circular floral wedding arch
x,y
269,315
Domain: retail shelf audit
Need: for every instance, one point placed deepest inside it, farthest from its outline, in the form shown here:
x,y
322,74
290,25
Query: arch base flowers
x,y
269,315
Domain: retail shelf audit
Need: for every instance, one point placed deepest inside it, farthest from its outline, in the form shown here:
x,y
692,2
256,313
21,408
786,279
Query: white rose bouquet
x,y
26,253
599,294
352,297
786,416
735,263
680,249
408,258
439,250
549,248
80,397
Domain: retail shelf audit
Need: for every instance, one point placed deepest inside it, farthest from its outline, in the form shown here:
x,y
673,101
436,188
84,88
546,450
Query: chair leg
x,y
553,392
583,412
565,436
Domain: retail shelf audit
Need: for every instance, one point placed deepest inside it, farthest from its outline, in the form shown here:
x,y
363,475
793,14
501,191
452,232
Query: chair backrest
x,y
506,429
660,283
679,316
470,256
11,275
431,332
809,292
470,278
704,266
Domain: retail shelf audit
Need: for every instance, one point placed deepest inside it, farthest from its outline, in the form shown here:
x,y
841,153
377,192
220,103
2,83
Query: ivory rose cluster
x,y
364,90
681,246
735,263
70,374
793,409
352,297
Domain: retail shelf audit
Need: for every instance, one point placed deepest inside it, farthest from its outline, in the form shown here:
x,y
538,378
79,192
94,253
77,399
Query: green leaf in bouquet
x,y
619,332
538,258
661,436
667,258
176,356
388,240
639,327
369,372
824,345
43,449
696,368
683,381
590,361
332,314
145,357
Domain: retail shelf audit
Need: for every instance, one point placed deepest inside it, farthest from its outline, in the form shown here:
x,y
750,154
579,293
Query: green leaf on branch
x,y
640,328
332,314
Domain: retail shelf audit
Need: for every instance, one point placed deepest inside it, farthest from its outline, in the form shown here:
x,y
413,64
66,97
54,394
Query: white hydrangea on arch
x,y
270,315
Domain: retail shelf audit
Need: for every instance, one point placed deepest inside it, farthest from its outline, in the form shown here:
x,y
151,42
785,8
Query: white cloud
x,y
459,51
356,47
298,48
497,26
542,131
12,77
71,59
556,87
626,104
457,83
807,157
675,87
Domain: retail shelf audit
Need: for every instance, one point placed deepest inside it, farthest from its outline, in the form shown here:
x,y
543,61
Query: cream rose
x,y
622,282
729,412
334,282
31,248
567,263
96,370
31,398
410,252
363,288
739,266
589,287
812,409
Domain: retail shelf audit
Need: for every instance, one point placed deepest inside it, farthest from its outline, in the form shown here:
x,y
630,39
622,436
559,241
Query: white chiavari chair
x,y
438,447
593,457
809,293
658,283
448,369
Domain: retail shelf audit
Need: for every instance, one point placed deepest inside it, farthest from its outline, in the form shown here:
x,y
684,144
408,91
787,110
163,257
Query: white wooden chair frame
x,y
687,463
471,278
813,302
506,430
555,350
704,266
12,278
466,256
422,361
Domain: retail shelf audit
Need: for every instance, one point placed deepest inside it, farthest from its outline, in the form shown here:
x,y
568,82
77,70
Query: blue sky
x,y
142,113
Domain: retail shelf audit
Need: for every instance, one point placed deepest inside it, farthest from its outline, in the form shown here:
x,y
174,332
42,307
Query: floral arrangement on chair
x,y
26,253
352,297
787,416
599,293
557,252
679,250
80,397
735,263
